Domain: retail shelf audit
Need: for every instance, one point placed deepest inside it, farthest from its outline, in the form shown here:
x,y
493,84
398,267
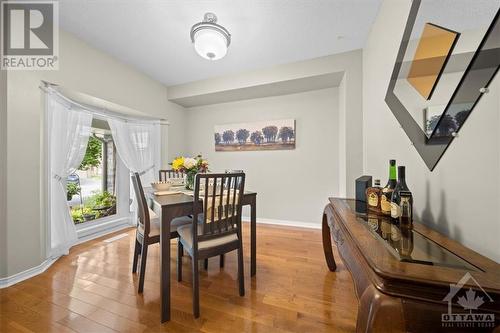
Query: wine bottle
x,y
386,194
396,196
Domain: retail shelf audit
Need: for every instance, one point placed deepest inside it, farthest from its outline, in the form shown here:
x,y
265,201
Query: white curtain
x,y
138,145
70,131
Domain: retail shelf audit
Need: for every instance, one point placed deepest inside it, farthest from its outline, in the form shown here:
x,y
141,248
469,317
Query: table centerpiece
x,y
190,166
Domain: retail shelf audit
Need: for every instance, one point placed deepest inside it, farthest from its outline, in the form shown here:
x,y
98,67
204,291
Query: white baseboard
x,y
87,234
29,273
288,223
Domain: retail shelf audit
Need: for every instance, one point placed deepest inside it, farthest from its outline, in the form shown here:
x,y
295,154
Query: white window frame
x,y
122,216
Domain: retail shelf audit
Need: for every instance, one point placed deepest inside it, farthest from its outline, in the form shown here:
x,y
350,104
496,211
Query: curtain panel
x,y
138,146
70,131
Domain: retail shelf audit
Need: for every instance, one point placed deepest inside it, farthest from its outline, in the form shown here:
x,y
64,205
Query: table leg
x,y
379,312
327,244
165,265
253,237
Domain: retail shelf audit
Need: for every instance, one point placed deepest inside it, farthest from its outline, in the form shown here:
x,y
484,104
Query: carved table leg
x,y
378,312
327,245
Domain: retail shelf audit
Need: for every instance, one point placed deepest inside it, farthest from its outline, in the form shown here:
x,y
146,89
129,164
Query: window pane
x,y
92,188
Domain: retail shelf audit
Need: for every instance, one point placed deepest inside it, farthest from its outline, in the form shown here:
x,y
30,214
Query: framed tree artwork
x,y
259,135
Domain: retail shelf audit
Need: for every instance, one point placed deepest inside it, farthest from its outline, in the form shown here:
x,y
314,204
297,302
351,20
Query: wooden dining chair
x,y
222,256
148,229
168,174
216,223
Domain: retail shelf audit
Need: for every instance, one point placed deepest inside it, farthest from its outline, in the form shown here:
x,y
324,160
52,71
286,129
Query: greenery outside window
x,y
91,190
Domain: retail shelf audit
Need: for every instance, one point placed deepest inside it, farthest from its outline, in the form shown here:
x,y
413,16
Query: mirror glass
x,y
443,41
449,54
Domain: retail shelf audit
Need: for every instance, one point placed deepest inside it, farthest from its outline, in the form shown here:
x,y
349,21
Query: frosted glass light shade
x,y
210,44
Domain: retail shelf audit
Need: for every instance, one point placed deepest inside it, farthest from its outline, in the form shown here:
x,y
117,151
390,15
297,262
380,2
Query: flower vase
x,y
190,181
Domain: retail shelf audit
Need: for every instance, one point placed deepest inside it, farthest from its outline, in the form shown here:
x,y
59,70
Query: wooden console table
x,y
411,280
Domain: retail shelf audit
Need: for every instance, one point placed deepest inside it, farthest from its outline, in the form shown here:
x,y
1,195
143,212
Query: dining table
x,y
182,204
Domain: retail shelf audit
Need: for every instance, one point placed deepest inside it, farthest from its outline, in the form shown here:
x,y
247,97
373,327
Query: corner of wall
x,y
353,121
3,173
177,132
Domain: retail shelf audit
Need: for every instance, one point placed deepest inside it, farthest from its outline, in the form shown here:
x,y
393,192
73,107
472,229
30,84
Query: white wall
x,y
292,185
82,69
461,196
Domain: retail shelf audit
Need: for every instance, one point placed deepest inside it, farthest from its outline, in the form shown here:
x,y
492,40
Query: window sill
x,y
98,228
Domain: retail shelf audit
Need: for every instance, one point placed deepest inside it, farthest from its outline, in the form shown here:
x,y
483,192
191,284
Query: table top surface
x,y
180,198
419,254
407,245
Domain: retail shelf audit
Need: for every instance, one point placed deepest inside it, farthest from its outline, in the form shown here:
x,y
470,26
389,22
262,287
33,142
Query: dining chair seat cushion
x,y
186,233
154,229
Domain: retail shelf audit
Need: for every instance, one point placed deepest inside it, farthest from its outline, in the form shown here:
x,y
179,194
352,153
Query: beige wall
x,y
3,173
82,69
176,134
460,197
292,185
349,67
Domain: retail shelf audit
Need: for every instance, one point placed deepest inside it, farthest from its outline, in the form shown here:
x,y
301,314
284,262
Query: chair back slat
x,y
227,207
214,206
168,174
205,206
234,206
219,198
142,206
235,171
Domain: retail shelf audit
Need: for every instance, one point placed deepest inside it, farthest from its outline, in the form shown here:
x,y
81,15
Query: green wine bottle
x,y
386,194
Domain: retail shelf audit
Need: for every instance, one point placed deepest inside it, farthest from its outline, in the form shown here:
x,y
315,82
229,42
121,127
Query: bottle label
x,y
395,210
373,199
385,204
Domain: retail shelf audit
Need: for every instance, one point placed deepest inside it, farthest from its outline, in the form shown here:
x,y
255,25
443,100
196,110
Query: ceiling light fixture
x,y
210,39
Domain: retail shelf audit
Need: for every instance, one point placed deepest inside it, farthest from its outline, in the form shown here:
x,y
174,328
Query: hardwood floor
x,y
93,290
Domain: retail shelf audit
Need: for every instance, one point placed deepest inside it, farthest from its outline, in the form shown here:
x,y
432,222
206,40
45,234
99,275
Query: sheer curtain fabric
x,y
70,131
138,146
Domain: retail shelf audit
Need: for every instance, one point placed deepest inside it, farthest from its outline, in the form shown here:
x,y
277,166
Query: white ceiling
x,y
153,35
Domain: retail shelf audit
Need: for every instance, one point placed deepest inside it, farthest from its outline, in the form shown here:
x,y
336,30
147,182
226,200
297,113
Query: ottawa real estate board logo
x,y
29,35
470,300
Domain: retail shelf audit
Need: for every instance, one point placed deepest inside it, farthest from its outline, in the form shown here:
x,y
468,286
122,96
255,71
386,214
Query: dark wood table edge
x,y
383,295
470,256
384,281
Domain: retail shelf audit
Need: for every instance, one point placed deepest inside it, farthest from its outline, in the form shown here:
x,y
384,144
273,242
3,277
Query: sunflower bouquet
x,y
190,166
